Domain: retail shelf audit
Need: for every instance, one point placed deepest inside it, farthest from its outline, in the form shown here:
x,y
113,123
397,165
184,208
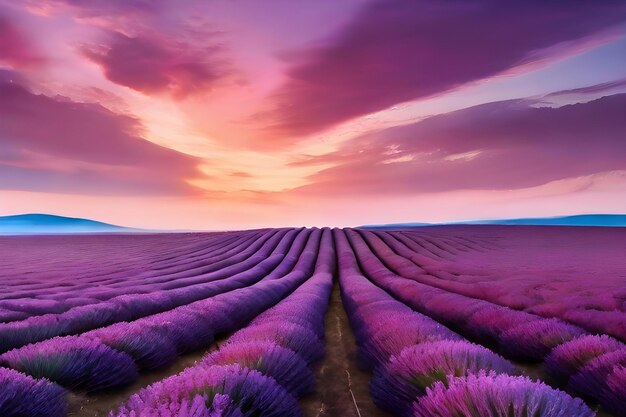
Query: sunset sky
x,y
226,114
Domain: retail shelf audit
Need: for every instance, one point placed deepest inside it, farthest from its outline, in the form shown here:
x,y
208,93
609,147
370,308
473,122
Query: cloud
x,y
152,64
55,144
591,89
400,50
495,146
97,8
240,174
16,50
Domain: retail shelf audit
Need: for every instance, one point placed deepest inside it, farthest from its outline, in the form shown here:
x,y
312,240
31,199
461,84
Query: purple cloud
x,y
97,8
151,64
591,89
53,143
16,50
495,146
399,50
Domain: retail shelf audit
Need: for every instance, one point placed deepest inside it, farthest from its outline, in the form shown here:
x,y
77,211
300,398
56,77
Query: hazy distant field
x,y
434,321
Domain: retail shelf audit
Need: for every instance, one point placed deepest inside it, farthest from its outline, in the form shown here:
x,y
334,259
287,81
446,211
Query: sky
x,y
231,114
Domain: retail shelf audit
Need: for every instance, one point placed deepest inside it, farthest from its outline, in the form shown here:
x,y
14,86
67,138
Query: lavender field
x,y
445,321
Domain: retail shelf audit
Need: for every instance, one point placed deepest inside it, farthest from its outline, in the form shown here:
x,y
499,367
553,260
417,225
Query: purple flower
x,y
250,391
395,332
486,324
223,406
187,331
591,379
491,395
613,398
397,383
149,347
74,362
535,339
300,339
21,395
198,406
294,314
273,360
566,359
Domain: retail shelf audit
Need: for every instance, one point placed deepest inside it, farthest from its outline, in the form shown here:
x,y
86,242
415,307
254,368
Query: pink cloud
x,y
16,50
496,146
55,144
152,64
601,88
115,6
99,8
400,50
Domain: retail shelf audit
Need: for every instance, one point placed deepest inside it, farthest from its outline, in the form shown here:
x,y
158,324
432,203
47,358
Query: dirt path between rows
x,y
341,388
99,404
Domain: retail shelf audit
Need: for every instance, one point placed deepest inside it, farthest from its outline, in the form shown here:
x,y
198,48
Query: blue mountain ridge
x,y
602,220
51,224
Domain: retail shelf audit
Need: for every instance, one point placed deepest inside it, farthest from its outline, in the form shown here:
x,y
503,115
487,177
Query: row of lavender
x,y
259,371
259,258
96,280
107,260
588,365
424,369
113,355
460,268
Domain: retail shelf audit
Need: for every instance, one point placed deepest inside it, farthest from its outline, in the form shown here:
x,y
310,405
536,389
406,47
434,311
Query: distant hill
x,y
50,224
605,220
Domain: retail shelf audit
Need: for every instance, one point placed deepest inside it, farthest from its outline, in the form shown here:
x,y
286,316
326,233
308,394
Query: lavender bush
x,y
535,339
74,362
149,347
591,380
490,395
406,376
293,336
613,398
23,396
282,364
566,359
252,393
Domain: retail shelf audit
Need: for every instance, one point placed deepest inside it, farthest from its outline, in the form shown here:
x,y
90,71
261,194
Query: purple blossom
x,y
397,383
222,406
198,406
486,324
293,312
187,331
250,391
613,398
395,332
21,395
298,338
535,339
566,359
149,347
273,360
491,395
591,379
74,362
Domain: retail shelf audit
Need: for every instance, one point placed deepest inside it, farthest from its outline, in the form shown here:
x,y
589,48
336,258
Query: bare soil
x,y
99,404
341,387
